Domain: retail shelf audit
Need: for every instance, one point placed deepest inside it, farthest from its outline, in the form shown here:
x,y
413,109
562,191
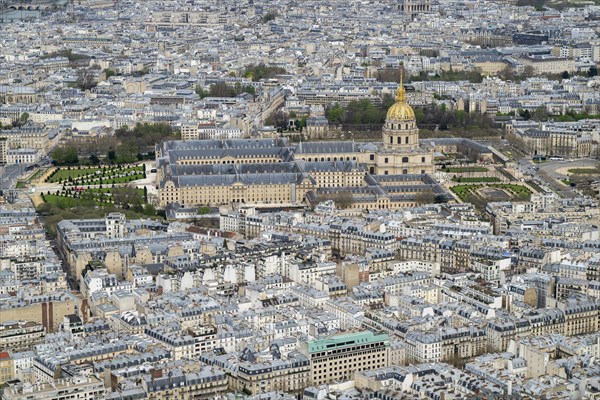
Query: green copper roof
x,y
345,340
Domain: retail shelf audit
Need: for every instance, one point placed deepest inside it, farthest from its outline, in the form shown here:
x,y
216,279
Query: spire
x,y
400,94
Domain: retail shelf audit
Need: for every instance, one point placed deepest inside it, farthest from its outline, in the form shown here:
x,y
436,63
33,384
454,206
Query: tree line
x,y
222,89
363,112
126,146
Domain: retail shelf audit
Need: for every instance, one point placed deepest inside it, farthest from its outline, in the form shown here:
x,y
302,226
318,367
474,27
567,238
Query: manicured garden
x,y
38,174
518,192
460,170
97,175
77,196
475,180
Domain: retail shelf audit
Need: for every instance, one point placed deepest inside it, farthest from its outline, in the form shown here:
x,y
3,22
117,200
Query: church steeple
x,y
400,92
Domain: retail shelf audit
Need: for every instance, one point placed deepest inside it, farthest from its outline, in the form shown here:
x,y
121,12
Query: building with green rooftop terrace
x,y
338,357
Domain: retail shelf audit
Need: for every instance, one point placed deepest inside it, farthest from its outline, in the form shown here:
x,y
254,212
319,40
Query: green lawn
x,y
466,169
516,188
78,174
38,174
582,171
462,190
520,192
63,173
89,197
472,180
120,179
20,185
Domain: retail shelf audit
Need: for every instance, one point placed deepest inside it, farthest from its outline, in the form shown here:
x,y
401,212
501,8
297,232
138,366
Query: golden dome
x,y
401,110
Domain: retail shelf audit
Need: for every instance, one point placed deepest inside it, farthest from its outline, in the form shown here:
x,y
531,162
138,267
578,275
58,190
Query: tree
x,y
24,118
201,92
593,71
109,72
262,71
203,210
540,114
250,90
335,113
65,156
344,200
565,75
389,75
425,197
221,89
149,210
528,71
279,119
387,101
270,16
126,196
86,79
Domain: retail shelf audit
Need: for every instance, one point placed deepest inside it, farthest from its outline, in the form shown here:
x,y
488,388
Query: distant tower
x,y
400,129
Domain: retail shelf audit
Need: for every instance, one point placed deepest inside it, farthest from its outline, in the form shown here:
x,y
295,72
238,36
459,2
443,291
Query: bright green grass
x,y
583,171
92,173
519,191
38,174
480,179
99,196
466,169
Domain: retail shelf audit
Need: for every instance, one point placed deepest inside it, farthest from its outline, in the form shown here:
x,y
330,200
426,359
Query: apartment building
x,y
20,335
337,358
82,388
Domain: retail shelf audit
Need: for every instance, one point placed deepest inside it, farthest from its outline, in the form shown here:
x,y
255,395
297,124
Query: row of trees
x,y
445,119
262,71
69,54
474,76
356,112
364,112
127,146
87,209
221,89
281,121
393,75
540,114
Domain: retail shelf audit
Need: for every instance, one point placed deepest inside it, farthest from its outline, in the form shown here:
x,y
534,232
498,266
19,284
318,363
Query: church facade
x,y
398,153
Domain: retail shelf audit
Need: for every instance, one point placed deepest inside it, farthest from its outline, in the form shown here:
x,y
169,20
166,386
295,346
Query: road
x,y
560,169
550,173
547,174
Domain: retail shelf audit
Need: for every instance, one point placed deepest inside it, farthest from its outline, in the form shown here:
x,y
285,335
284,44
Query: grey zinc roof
x,y
327,147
